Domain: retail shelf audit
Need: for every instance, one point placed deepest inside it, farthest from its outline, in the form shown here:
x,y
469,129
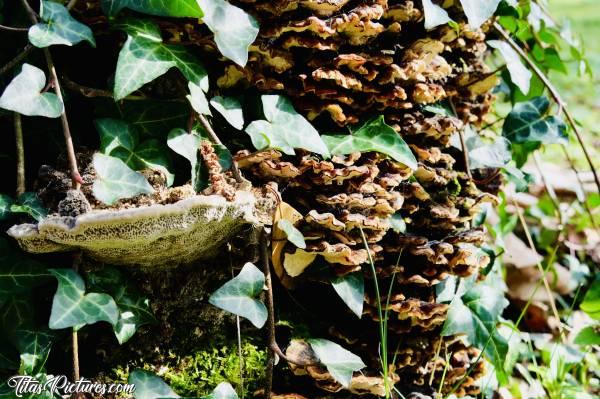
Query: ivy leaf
x,y
479,11
476,314
198,100
487,153
238,295
161,8
223,391
520,179
340,362
59,27
351,288
149,386
434,15
5,204
34,347
187,145
293,234
71,307
519,74
591,301
115,180
284,129
397,223
234,29
529,122
23,95
144,57
8,357
231,109
19,273
374,135
30,204
134,308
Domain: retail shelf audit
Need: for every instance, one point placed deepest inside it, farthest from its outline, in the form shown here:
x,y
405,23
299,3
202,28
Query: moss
x,y
199,373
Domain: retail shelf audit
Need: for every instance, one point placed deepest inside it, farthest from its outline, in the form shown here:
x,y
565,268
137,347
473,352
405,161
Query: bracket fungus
x,y
158,235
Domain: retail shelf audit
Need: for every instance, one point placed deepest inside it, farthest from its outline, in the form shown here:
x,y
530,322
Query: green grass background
x,y
582,94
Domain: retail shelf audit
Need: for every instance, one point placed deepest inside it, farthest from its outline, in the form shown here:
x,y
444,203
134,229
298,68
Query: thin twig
x,y
20,154
463,145
15,61
549,189
234,168
13,29
264,252
583,201
74,337
239,335
71,4
555,95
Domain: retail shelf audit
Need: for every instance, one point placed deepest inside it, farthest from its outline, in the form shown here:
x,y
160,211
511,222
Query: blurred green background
x,y
581,93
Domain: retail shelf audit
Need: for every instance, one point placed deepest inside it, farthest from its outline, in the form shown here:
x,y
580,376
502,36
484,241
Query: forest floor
x,y
581,94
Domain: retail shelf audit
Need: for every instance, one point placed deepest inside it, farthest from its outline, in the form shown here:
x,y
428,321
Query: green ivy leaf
x,y
238,296
134,308
59,27
231,109
5,203
115,180
434,15
149,386
374,135
19,273
292,233
591,301
529,122
187,145
23,95
223,391
198,100
121,140
589,335
72,307
179,8
476,314
488,153
144,57
351,288
479,11
397,223
519,74
8,357
34,347
30,204
520,179
284,129
234,29
340,362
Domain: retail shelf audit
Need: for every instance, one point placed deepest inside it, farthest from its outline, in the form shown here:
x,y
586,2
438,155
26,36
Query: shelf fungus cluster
x,y
341,62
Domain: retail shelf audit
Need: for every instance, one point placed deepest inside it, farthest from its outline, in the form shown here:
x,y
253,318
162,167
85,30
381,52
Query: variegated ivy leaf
x,y
519,74
34,347
72,307
121,140
23,95
18,272
434,15
144,57
531,122
162,8
479,11
198,100
284,129
187,145
340,362
58,27
374,135
293,234
238,295
30,204
234,29
351,288
223,391
115,180
149,386
231,109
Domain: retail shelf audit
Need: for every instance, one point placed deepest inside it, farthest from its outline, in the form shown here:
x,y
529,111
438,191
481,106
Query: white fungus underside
x,y
158,235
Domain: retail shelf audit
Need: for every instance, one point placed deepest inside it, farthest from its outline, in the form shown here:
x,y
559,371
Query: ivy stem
x,y
583,202
13,29
15,61
74,337
234,168
264,253
20,154
463,144
555,95
549,188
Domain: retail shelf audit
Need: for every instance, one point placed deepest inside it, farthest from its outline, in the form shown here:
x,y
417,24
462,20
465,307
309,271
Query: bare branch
x,y
20,154
13,29
17,60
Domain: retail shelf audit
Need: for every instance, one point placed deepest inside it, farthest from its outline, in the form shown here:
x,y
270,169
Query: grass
x,y
581,93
